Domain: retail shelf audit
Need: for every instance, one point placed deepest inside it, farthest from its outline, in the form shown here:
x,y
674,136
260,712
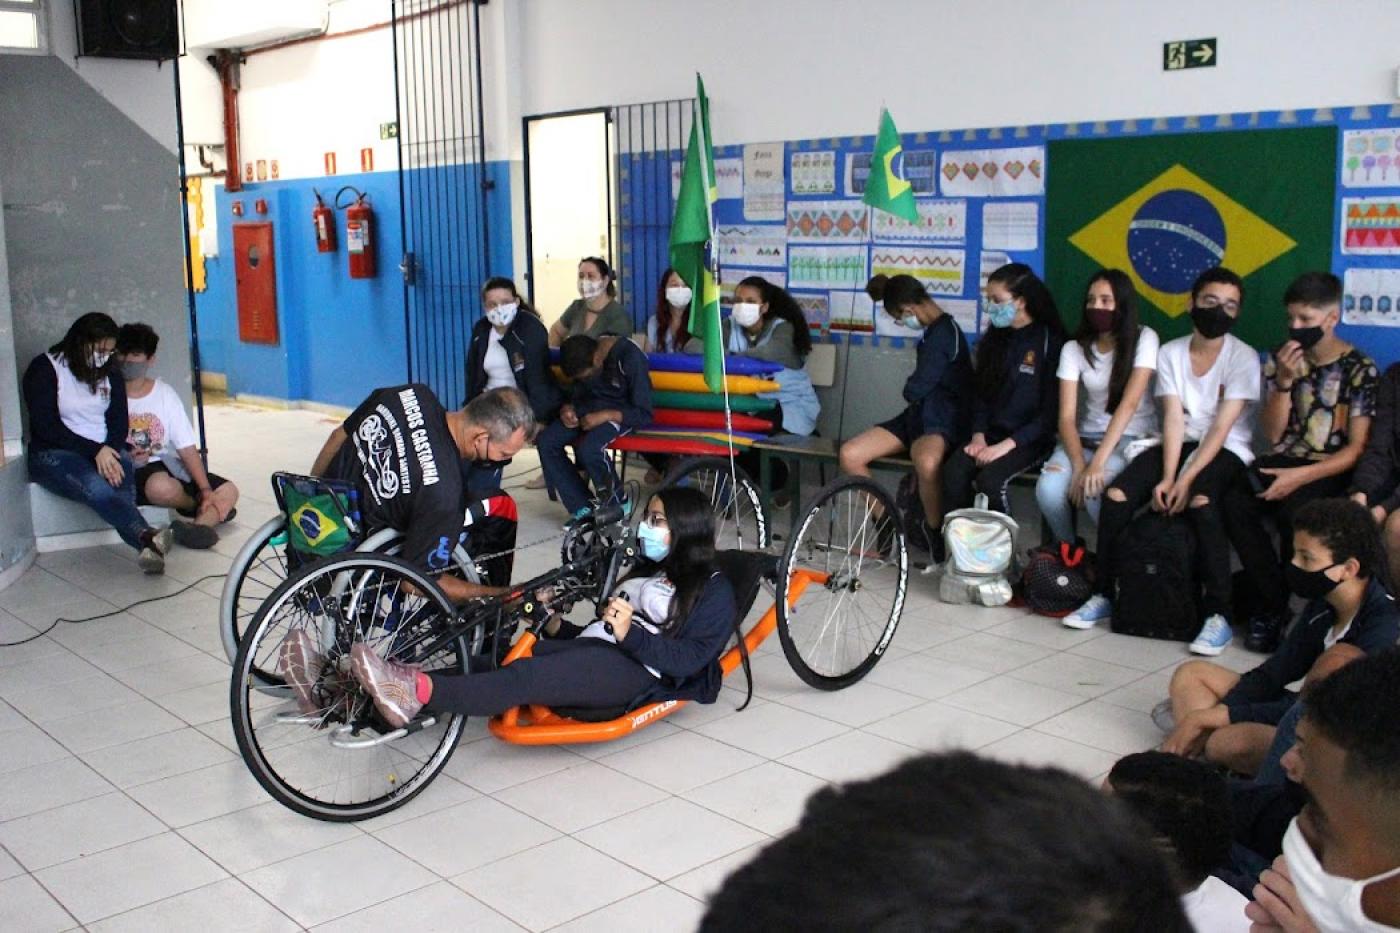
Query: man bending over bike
x,y
405,456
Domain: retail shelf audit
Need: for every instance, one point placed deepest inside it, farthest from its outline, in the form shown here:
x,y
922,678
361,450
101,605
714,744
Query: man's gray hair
x,y
502,412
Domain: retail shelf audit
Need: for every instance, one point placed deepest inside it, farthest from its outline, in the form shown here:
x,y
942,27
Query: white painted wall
x,y
144,91
797,69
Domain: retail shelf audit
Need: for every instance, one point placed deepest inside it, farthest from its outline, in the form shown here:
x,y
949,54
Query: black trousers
x,y
1136,482
584,672
1245,518
963,479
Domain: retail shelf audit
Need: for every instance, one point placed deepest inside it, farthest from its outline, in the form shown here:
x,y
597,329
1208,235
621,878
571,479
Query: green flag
x,y
885,189
692,230
1166,207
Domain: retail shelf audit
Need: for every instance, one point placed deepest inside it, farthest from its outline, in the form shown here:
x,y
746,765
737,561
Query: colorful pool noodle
x,y
695,382
695,363
706,401
740,438
680,418
682,447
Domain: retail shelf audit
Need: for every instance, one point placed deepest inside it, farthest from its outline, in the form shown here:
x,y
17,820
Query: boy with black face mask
x,y
1319,399
1337,565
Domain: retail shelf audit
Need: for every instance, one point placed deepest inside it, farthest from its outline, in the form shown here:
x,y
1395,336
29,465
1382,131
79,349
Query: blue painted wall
x,y
339,337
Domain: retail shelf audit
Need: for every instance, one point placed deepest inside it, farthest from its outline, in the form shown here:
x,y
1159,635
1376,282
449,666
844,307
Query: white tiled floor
x,y
124,804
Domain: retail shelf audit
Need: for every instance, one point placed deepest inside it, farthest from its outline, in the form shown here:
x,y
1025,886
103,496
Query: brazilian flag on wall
x,y
1164,208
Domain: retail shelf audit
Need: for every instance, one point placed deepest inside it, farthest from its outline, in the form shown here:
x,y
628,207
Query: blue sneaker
x,y
1214,636
1095,610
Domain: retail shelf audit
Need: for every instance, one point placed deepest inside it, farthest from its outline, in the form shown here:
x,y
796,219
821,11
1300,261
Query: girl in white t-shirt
x,y
1208,382
1104,403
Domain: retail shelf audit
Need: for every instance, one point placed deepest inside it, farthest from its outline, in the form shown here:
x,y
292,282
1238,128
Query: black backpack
x,y
1154,590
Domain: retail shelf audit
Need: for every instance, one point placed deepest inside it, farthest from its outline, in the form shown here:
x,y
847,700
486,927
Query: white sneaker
x,y
1095,610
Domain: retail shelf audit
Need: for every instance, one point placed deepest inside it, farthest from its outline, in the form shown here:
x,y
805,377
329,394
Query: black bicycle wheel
x,y
740,522
342,762
837,628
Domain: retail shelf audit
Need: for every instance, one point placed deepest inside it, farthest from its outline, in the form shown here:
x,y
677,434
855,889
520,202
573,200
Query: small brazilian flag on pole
x,y
692,231
886,190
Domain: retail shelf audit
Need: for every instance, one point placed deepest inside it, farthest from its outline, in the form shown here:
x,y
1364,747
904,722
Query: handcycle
x,y
839,593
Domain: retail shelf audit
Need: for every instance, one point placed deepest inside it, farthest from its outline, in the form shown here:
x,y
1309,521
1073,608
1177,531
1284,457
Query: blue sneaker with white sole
x,y
1215,635
1095,610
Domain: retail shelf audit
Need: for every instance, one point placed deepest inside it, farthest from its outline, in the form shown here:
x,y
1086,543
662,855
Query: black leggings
x,y
584,672
963,478
1136,482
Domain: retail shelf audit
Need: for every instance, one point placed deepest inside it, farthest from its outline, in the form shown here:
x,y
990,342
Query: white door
x,y
569,204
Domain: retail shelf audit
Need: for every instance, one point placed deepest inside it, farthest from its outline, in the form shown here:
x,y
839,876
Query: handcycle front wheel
x,y
262,564
740,522
342,762
849,538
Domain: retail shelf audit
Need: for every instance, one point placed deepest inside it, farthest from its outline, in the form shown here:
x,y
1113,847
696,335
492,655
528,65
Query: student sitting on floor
x,y
1187,806
169,471
1335,566
77,433
939,392
1318,403
611,395
1016,399
1376,480
1104,373
1206,382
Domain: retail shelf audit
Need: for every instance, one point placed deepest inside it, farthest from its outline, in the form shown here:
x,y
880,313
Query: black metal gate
x,y
649,142
445,185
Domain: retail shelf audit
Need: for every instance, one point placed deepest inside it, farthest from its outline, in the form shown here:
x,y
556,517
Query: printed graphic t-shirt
x,y
159,428
1323,403
401,456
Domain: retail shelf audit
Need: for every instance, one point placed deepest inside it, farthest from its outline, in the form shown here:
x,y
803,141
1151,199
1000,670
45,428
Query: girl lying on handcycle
x,y
660,637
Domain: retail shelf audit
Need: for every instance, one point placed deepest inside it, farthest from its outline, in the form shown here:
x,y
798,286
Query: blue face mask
x,y
654,544
1001,315
911,322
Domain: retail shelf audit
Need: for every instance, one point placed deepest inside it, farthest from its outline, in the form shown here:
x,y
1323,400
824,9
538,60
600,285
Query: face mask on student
x,y
655,542
912,322
1211,322
1101,320
502,315
591,288
98,358
1333,903
1305,337
1309,584
1001,315
746,313
678,296
131,372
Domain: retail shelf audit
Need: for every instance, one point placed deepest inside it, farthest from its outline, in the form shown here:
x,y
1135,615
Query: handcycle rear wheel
x,y
839,628
740,522
262,564
343,762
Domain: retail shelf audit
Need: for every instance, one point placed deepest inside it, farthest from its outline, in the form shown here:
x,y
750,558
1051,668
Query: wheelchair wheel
x,y
342,762
839,627
260,567
257,570
740,522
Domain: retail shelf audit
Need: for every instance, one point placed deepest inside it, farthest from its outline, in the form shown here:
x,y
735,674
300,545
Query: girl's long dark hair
x,y
1022,282
1125,335
691,560
897,293
500,281
85,333
664,312
784,306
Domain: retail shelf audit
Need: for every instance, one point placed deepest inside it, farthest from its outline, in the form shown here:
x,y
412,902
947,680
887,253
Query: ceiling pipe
x,y
227,63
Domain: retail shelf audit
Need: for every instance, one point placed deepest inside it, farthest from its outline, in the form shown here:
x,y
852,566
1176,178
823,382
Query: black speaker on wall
x,y
145,29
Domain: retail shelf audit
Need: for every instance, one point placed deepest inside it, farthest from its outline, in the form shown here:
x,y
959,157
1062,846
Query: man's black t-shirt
x,y
400,454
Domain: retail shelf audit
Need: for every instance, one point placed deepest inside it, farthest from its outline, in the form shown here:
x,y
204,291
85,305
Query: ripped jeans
x,y
1052,489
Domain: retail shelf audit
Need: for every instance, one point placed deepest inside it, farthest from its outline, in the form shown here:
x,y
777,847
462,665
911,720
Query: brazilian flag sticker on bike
x,y
316,526
1164,208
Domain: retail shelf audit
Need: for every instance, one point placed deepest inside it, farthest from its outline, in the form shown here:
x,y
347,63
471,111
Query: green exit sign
x,y
389,130
1188,53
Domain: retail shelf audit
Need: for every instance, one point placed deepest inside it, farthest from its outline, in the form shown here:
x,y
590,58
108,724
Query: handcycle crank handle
x,y
607,626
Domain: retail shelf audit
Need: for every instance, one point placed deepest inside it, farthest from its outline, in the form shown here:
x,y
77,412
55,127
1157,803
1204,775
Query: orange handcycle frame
x,y
539,725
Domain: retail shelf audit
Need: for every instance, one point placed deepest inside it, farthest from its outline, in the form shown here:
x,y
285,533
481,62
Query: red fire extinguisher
x,y
323,220
359,234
